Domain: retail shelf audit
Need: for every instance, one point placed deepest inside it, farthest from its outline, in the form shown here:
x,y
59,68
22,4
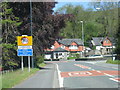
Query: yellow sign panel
x,y
24,40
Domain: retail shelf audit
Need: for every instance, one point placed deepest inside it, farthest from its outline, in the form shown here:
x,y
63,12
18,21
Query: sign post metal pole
x,y
22,63
29,63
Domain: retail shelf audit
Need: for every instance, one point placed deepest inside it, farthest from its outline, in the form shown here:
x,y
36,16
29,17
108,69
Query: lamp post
x,y
82,36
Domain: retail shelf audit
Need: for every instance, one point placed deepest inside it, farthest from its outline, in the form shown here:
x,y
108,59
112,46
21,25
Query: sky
x,y
84,3
60,4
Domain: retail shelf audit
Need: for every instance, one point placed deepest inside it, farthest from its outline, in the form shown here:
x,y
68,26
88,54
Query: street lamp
x,y
82,36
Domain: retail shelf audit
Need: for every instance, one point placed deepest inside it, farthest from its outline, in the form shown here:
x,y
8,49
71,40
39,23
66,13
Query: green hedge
x,y
71,58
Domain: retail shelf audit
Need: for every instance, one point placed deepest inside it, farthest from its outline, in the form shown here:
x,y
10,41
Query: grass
x,y
113,62
13,78
42,65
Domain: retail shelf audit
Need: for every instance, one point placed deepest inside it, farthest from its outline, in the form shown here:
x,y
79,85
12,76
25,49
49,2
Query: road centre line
x,y
61,79
82,66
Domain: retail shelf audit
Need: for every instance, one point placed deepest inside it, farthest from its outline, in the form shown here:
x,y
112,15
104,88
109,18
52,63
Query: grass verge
x,y
113,62
13,78
42,65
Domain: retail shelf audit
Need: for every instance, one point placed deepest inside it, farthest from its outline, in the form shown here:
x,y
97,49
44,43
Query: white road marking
x,y
114,79
99,71
109,75
91,62
79,73
61,79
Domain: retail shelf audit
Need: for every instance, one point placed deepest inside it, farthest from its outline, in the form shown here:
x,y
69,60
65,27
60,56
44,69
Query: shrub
x,y
40,59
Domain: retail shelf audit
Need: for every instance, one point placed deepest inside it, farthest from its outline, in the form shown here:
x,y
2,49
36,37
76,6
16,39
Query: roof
x,y
60,49
69,41
98,40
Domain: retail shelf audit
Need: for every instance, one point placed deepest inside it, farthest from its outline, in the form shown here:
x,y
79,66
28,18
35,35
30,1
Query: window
x,y
73,47
52,47
63,47
107,41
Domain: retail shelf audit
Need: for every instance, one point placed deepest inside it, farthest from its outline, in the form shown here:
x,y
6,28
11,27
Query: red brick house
x,y
62,48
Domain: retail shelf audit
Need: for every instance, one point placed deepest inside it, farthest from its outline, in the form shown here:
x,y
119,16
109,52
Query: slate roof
x,y
59,49
69,41
98,40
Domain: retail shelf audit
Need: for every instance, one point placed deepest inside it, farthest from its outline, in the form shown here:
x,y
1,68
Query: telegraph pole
x,y
31,28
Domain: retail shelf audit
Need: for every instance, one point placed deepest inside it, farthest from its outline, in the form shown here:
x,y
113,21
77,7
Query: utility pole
x,y
31,28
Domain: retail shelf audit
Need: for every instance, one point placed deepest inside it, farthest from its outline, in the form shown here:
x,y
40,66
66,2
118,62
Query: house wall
x,y
60,55
107,42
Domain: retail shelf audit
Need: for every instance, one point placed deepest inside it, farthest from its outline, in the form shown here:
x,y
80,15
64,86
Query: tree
x,y
9,31
46,25
99,23
118,36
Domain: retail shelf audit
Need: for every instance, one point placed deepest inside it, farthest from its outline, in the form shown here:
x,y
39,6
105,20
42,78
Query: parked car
x,y
95,56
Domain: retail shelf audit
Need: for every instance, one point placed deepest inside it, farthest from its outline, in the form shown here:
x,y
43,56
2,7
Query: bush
x,y
40,59
77,55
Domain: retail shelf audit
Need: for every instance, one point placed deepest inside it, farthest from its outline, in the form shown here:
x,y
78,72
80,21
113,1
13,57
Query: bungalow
x,y
104,44
62,48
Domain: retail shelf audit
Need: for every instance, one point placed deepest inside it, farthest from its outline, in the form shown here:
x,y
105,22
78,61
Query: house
x,y
104,44
63,47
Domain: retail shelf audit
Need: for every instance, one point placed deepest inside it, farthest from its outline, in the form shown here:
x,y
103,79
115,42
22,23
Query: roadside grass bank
x,y
13,78
113,62
42,65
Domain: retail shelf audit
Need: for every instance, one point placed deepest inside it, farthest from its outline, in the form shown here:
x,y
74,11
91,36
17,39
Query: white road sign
x,y
24,47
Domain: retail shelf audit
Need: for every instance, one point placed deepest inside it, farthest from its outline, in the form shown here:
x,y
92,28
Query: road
x,y
74,74
47,77
88,74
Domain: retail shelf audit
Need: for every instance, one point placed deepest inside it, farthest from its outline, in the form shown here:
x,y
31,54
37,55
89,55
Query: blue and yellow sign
x,y
24,40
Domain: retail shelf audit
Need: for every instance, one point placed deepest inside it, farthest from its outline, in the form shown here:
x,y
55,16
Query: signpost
x,y
24,43
25,52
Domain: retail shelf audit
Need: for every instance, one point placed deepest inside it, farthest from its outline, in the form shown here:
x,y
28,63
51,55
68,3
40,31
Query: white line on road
x,y
99,71
59,77
114,79
109,75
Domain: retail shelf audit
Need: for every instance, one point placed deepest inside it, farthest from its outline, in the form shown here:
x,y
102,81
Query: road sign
x,y
24,40
24,47
25,52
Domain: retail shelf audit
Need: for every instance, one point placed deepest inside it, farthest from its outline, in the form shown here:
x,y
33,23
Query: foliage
x,y
94,47
101,23
113,62
40,59
77,55
117,50
42,64
9,32
13,78
16,21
